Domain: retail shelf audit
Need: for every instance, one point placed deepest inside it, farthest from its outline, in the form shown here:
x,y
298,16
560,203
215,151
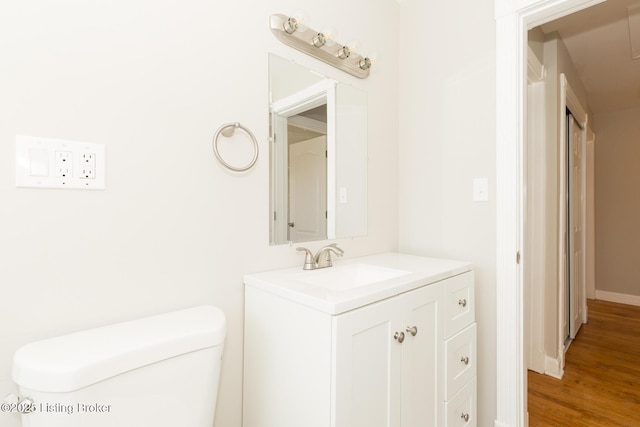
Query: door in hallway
x,y
575,213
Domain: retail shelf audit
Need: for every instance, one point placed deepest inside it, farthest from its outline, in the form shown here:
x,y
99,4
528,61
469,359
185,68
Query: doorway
x,y
512,23
554,217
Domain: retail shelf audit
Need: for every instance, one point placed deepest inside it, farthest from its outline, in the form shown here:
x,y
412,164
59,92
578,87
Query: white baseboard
x,y
619,298
552,367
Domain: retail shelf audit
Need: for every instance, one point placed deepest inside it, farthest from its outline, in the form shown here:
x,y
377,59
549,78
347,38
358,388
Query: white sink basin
x,y
356,282
349,276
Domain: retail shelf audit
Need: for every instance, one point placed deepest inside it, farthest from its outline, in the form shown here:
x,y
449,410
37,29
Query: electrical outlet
x,y
64,164
56,163
88,166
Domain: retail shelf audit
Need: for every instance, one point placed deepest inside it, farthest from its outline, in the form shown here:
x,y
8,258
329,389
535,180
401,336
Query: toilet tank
x,y
159,371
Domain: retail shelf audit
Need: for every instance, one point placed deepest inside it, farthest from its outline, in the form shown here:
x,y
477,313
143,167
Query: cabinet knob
x,y
399,336
464,416
464,360
462,302
413,330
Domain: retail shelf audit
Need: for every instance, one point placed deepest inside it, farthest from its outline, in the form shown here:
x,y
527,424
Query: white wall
x,y
153,81
617,205
447,138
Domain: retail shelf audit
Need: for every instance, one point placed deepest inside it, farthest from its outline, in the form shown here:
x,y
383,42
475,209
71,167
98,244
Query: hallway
x,y
601,383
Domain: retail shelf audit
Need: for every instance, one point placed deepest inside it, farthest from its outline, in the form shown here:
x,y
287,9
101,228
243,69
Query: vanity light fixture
x,y
320,45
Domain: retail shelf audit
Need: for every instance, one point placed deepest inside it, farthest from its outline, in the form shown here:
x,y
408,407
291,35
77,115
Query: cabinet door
x,y
421,398
367,366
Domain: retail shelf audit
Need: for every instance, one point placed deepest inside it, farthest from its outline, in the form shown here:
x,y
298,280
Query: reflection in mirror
x,y
307,138
318,155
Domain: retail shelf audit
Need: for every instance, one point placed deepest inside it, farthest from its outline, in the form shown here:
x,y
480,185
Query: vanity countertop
x,y
355,282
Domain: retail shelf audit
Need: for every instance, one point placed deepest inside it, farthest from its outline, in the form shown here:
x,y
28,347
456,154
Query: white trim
x,y
536,70
308,124
307,98
553,367
619,298
570,100
510,73
535,238
513,20
583,221
563,256
590,255
332,159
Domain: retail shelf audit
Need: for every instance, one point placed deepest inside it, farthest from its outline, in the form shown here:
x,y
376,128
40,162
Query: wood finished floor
x,y
601,382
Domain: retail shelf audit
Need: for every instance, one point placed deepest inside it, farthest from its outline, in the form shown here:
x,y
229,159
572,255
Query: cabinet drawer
x,y
459,303
461,411
460,360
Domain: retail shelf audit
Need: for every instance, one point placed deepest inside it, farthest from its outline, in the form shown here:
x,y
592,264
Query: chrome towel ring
x,y
228,131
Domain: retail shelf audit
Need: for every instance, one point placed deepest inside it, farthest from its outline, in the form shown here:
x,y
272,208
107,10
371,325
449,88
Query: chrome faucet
x,y
322,258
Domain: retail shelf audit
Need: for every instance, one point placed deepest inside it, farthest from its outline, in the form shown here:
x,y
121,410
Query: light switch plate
x,y
480,189
56,163
343,194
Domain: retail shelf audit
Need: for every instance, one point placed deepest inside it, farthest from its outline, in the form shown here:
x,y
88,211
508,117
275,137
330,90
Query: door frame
x,y
568,101
534,251
513,20
322,92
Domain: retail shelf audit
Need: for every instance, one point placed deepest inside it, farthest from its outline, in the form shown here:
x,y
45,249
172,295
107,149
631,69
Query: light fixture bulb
x,y
364,63
290,26
347,50
354,46
302,20
330,36
367,60
319,40
344,52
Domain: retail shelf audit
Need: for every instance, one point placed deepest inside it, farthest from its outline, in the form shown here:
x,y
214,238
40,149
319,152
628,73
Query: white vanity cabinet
x,y
402,360
385,376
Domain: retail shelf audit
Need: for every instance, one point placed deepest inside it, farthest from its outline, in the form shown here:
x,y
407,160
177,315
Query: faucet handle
x,y
337,250
309,264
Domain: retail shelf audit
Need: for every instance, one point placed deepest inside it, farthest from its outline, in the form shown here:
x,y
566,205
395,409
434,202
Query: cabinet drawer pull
x,y
464,360
464,416
399,336
413,330
462,302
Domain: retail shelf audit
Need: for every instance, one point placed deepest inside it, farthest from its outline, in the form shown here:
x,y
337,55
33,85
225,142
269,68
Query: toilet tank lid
x,y
71,362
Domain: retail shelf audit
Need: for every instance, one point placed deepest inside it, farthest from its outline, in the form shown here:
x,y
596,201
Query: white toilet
x,y
160,371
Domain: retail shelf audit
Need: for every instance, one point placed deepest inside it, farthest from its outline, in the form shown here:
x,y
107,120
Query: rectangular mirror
x,y
318,155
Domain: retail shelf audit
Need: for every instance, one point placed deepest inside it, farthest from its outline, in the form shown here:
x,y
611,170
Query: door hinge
x,y
518,257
